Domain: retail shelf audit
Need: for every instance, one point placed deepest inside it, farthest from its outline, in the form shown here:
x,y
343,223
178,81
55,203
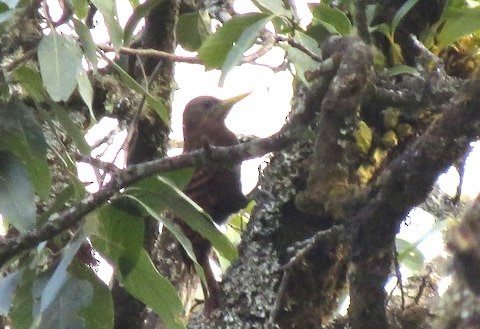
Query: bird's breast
x,y
217,190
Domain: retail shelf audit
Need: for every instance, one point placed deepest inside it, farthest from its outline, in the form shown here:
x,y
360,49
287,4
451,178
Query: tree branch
x,y
300,47
463,241
20,60
361,20
152,53
132,174
404,184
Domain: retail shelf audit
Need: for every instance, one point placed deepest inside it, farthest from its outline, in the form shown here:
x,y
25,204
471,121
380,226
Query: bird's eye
x,y
208,104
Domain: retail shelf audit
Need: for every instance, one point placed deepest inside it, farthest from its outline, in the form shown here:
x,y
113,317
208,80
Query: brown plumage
x,y
217,189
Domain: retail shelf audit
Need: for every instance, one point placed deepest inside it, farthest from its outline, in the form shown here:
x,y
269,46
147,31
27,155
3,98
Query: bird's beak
x,y
227,104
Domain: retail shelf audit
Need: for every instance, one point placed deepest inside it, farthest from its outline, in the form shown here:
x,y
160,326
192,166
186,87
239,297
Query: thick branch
x,y
465,246
428,90
403,185
123,178
334,153
361,20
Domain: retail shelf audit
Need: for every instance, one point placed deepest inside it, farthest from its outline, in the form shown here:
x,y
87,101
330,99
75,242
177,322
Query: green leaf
x,y
334,19
409,255
167,195
117,232
276,7
71,128
215,49
108,9
179,177
21,134
408,252
60,276
244,42
239,221
11,3
8,285
17,200
371,12
150,287
401,70
134,3
458,23
299,59
176,231
99,313
80,7
140,12
156,104
59,58
63,313
22,308
401,13
7,15
30,81
86,91
89,47
383,29
283,17
193,29
318,32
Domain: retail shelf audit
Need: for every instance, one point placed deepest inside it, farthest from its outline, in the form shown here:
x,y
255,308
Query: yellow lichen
x,y
365,173
390,139
404,130
390,117
337,193
363,137
378,156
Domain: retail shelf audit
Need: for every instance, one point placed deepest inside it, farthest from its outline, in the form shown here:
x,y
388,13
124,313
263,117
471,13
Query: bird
x,y
215,188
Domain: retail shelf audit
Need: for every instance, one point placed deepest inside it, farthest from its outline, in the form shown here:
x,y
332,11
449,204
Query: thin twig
x,y
97,163
326,66
398,274
423,285
299,46
427,55
267,45
106,139
62,221
152,53
460,166
12,65
303,247
132,132
48,17
278,298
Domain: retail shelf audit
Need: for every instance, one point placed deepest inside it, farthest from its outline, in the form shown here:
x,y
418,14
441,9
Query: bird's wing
x,y
217,191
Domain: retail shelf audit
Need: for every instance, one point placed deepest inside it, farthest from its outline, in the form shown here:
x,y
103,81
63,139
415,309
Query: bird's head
x,y
206,111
